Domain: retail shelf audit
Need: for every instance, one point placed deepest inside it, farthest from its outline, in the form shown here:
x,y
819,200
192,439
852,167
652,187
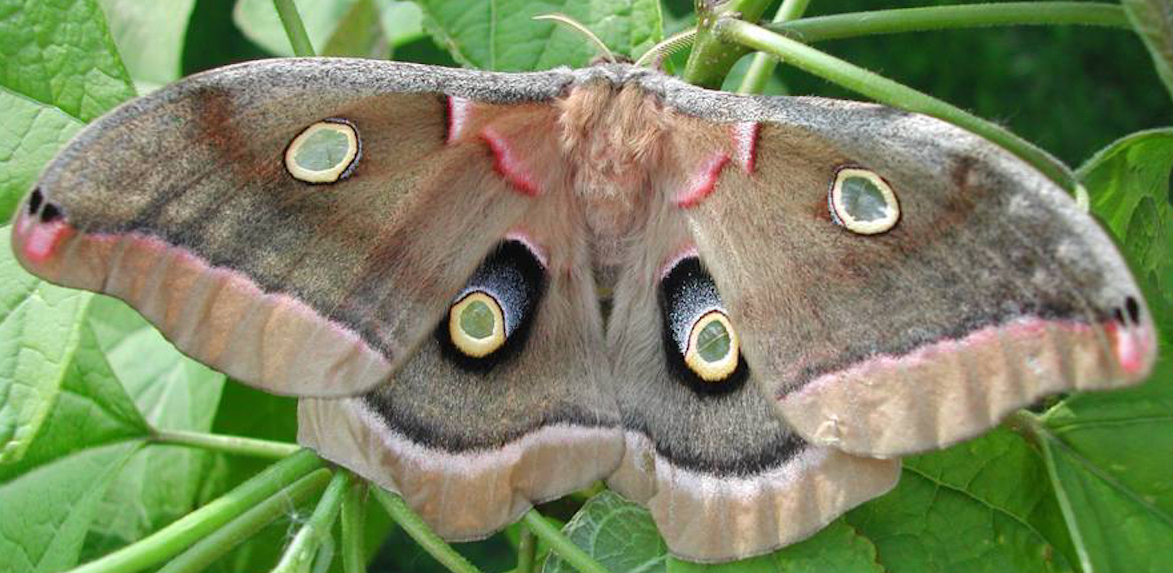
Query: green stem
x,y
421,533
294,29
762,66
183,532
810,30
354,558
711,58
301,551
226,444
562,545
892,93
216,545
527,548
1065,506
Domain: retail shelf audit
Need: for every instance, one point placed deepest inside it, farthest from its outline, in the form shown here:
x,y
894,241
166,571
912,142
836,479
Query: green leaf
x,y
150,37
92,410
54,493
160,483
983,505
47,511
30,134
39,332
1129,186
372,28
358,33
60,53
58,69
1109,453
502,35
402,21
1113,482
621,536
837,547
1153,21
173,391
335,27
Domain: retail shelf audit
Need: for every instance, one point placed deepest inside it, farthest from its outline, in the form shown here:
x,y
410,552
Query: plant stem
x,y
301,551
421,533
294,29
711,57
526,551
214,546
226,444
562,545
892,93
1062,497
354,557
183,532
810,30
762,66
1152,22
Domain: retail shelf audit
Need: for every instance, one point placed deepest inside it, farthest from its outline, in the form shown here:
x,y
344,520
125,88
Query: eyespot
x,y
701,346
862,201
713,351
324,152
490,319
477,325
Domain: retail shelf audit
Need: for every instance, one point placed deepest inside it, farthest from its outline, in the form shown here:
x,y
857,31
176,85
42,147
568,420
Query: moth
x,y
795,291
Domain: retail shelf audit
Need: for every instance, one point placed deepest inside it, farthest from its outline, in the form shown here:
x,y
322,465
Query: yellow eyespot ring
x,y
476,325
713,348
324,152
865,183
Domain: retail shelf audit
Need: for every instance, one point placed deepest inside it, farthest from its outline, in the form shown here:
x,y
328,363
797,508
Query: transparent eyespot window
x,y
476,324
713,351
324,152
863,202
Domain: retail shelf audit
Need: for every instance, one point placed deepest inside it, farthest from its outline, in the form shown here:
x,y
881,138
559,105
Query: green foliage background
x,y
86,385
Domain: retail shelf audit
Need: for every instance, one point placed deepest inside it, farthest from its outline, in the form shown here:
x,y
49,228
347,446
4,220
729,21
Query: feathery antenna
x,y
667,47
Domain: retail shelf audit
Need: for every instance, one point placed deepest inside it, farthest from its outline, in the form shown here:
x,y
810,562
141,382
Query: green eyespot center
x,y
477,320
322,150
863,200
713,341
712,351
476,325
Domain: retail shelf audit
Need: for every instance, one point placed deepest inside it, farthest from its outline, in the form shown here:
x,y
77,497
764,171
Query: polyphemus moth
x,y
797,291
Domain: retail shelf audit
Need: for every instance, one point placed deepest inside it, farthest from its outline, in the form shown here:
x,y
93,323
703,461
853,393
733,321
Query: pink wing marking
x,y
703,182
507,163
458,111
745,140
39,241
1132,348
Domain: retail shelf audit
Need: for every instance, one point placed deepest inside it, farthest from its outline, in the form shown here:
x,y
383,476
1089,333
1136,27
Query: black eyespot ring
x,y
510,281
687,297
